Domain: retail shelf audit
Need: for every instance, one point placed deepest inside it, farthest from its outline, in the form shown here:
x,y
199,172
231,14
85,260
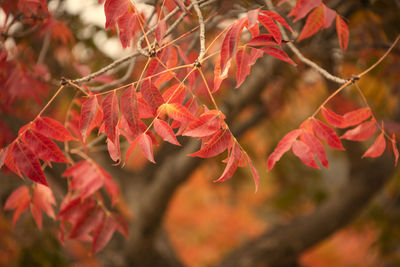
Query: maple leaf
x,y
283,146
377,148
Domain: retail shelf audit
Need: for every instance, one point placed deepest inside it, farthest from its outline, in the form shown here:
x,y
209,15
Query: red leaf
x,y
303,7
206,124
216,145
252,16
377,148
315,146
329,15
151,94
277,18
90,117
279,54
220,76
103,233
27,163
3,155
315,21
254,172
283,146
262,40
343,32
87,222
37,215
333,119
304,153
165,131
326,133
242,66
44,148
128,26
178,112
357,116
395,150
114,149
230,42
114,9
18,200
270,25
361,132
175,94
52,128
232,164
111,111
43,198
146,146
129,109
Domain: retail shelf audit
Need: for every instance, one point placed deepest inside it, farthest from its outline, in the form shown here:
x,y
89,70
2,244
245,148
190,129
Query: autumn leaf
x,y
270,25
103,233
26,162
303,152
262,40
216,145
315,147
19,201
362,132
232,164
277,18
326,133
151,94
145,144
343,32
315,21
279,54
377,148
165,131
177,112
355,117
52,129
111,113
206,124
129,109
283,146
91,116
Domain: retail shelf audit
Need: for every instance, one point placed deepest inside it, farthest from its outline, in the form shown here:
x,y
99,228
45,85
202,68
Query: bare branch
x,y
202,30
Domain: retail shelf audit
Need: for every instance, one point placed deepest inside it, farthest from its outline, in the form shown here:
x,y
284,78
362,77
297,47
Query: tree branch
x,y
302,58
202,30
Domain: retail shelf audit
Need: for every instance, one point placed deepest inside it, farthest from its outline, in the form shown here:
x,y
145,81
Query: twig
x,y
118,81
106,68
302,58
202,30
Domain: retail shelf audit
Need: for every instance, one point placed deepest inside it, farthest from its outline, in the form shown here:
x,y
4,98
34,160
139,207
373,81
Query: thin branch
x,y
106,68
302,58
202,30
118,81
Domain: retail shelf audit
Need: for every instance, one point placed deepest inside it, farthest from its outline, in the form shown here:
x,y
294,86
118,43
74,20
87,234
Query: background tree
x,y
230,81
